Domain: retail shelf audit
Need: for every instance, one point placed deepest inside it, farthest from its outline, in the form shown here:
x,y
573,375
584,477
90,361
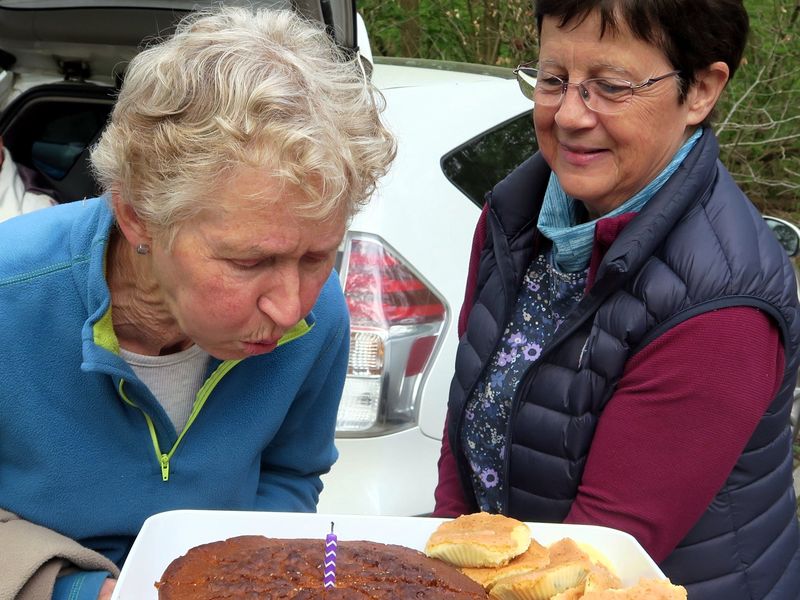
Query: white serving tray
x,y
168,535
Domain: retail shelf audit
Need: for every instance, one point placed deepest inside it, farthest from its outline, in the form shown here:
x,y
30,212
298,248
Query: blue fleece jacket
x,y
85,448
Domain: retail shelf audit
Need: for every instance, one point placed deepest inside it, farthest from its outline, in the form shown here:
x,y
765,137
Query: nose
x,y
572,112
281,300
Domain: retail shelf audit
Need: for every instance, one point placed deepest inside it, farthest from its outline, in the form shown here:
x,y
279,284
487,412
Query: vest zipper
x,y
163,458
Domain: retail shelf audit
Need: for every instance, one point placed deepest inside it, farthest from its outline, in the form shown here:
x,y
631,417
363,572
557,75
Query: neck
x,y
142,320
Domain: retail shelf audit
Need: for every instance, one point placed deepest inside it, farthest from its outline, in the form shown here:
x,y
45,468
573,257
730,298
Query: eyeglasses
x,y
606,95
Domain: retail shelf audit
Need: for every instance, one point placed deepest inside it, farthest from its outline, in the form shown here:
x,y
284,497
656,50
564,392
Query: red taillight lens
x,y
395,321
381,291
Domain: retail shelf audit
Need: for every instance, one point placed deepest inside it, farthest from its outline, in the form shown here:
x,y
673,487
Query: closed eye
x,y
611,88
317,258
549,82
249,263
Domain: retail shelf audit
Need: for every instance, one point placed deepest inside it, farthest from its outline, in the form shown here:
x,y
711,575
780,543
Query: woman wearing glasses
x,y
630,332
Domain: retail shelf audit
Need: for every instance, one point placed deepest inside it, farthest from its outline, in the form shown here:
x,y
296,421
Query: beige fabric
x,y
33,556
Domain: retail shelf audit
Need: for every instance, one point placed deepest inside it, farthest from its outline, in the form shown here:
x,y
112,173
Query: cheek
x,y
222,302
310,289
644,127
634,142
543,124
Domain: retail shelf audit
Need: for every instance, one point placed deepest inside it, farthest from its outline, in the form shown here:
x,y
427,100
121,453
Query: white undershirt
x,y
174,379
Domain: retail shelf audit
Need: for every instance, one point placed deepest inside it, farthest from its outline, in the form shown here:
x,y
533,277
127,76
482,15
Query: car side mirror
x,y
787,233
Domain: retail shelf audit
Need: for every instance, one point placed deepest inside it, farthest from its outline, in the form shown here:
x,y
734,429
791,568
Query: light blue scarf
x,y
572,244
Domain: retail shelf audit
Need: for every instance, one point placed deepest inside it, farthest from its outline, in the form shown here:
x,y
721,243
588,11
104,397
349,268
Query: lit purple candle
x,y
330,559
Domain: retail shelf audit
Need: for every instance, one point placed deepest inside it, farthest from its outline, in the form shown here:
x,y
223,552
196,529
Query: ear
x,y
706,90
129,223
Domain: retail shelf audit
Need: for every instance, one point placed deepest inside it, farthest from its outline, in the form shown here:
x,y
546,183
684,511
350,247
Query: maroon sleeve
x,y
449,495
681,415
478,239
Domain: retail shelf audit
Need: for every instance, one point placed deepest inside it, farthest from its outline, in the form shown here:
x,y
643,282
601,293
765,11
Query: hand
x,y
106,589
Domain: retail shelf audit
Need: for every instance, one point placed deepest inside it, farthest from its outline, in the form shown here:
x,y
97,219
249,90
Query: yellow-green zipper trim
x,y
202,395
298,330
105,337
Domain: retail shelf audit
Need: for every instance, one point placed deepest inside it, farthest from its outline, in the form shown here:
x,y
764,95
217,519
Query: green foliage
x,y
490,32
757,120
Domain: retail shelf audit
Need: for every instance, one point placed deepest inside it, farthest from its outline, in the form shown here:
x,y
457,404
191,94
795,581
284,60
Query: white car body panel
x,y
388,475
428,221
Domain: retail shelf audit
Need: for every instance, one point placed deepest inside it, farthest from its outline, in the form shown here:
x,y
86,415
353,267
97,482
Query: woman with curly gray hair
x,y
196,337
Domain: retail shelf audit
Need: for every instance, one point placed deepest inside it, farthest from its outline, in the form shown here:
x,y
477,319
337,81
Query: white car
x,y
461,128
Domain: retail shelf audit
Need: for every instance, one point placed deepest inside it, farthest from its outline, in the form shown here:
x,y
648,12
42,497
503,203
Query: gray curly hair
x,y
234,88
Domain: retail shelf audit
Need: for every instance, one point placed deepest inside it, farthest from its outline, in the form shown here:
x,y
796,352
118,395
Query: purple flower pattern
x,y
489,478
546,296
531,352
517,339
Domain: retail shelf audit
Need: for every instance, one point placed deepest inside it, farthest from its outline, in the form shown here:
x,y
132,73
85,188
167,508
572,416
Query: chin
x,y
586,189
584,193
225,353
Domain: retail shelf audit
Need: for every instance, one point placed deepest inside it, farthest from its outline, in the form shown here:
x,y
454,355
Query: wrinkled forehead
x,y
306,196
262,228
245,197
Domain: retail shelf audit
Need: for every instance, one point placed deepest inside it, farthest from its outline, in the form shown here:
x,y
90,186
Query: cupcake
x,y
479,540
542,584
535,557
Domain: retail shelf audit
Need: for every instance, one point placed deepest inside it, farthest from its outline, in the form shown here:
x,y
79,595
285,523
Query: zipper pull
x,y
164,467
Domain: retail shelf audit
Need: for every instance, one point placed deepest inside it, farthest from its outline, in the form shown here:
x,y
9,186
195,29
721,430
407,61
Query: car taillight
x,y
395,321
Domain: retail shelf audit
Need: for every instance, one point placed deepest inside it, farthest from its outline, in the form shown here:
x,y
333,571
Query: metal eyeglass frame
x,y
525,73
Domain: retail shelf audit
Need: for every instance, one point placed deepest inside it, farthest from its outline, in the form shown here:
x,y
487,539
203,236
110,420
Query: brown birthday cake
x,y
256,567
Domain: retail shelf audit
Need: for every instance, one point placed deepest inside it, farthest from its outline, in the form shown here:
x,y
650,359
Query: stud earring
x,y
143,249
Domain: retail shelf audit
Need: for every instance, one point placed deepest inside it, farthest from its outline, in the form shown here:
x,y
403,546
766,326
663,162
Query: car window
x,y
56,145
51,128
474,167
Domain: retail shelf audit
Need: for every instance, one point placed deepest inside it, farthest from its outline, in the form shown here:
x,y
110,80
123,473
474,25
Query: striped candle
x,y
329,579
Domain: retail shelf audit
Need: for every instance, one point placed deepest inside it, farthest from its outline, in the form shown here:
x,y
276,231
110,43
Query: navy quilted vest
x,y
698,245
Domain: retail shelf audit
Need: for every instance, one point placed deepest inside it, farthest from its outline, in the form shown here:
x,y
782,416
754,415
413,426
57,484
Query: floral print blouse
x,y
544,299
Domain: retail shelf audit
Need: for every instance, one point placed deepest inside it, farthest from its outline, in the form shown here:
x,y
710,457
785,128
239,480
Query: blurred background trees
x,y
758,119
488,32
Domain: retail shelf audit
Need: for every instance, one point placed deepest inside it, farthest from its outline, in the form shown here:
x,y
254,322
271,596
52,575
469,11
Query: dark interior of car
x,y
51,128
